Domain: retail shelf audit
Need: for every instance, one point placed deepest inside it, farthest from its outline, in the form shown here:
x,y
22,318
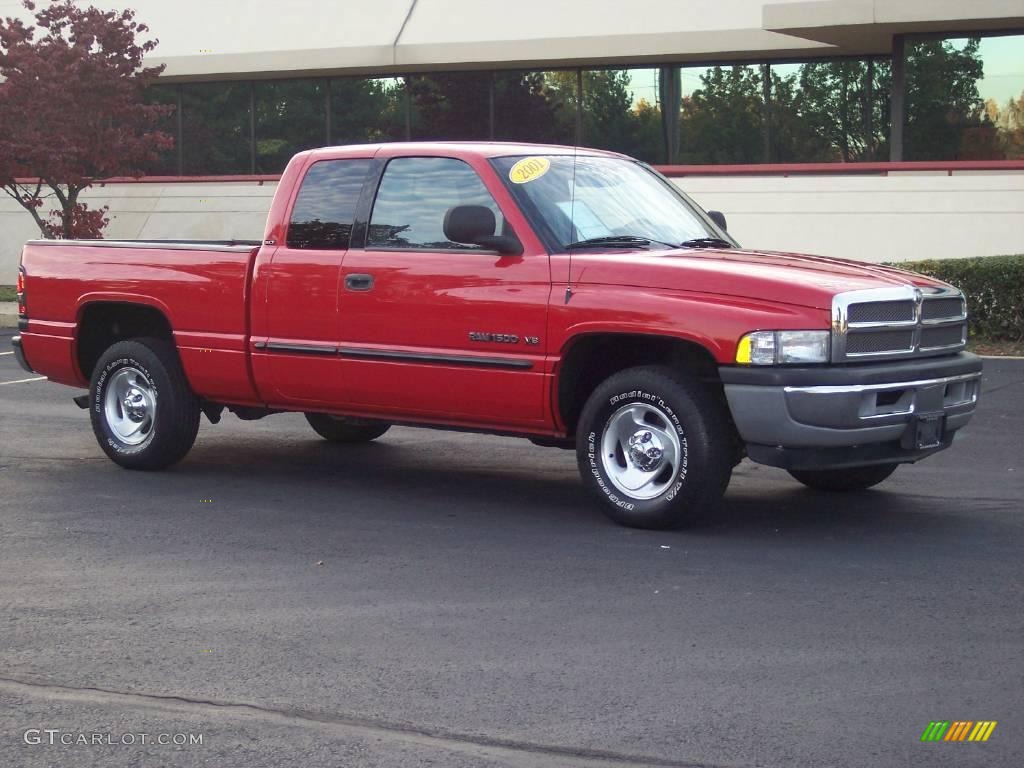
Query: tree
x,y
367,110
1009,123
944,109
72,110
289,118
721,121
846,105
608,119
450,106
526,109
649,133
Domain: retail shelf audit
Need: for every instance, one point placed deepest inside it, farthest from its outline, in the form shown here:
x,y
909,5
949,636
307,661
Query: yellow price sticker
x,y
528,169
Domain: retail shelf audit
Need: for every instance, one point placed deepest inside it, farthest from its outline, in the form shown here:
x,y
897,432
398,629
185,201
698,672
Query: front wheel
x,y
143,412
844,480
340,429
655,447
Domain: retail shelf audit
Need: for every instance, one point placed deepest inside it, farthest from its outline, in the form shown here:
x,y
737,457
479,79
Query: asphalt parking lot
x,y
455,600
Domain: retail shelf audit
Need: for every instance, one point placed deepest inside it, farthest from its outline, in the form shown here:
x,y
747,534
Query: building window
x,y
367,110
290,117
414,196
326,204
964,98
1002,91
216,128
535,106
166,162
829,111
453,106
721,115
621,112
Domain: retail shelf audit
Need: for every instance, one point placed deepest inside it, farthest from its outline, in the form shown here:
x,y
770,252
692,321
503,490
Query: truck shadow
x,y
516,482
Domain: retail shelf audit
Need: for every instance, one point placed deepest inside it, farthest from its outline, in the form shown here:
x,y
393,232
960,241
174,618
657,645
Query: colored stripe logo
x,y
958,730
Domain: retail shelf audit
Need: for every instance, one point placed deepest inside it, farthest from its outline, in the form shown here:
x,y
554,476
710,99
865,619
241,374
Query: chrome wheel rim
x,y
640,451
129,406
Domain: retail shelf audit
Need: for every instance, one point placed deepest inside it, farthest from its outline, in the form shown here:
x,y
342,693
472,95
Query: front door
x,y
433,329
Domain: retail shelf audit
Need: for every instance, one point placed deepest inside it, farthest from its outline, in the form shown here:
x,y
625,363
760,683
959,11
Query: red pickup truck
x,y
570,296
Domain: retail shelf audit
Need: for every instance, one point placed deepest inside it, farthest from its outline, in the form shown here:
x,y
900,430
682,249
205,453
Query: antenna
x,y
572,221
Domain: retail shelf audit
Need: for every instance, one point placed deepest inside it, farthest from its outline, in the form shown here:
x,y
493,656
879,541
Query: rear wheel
x,y
844,480
342,429
655,447
143,412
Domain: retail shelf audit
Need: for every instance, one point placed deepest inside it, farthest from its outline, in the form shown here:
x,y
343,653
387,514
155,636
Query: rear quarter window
x,y
326,204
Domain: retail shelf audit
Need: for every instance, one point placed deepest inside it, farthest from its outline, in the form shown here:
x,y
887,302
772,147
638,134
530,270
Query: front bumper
x,y
19,354
844,416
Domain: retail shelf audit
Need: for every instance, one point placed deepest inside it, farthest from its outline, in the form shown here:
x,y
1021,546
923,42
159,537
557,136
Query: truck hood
x,y
787,278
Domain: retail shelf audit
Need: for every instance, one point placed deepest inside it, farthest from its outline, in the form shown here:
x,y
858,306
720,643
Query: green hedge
x,y
995,291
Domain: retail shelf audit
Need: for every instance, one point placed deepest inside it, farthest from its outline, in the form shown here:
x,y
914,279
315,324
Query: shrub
x,y
994,286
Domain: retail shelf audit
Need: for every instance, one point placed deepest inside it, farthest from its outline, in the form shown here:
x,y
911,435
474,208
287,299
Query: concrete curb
x,y
8,314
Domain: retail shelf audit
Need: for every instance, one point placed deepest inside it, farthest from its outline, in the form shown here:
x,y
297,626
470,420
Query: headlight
x,y
783,348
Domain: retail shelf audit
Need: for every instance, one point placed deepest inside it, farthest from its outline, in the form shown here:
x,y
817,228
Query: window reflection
x,y
326,204
964,100
621,112
535,106
290,117
450,106
166,161
367,110
215,128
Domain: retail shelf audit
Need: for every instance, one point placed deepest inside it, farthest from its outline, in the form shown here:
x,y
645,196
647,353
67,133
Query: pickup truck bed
x,y
200,288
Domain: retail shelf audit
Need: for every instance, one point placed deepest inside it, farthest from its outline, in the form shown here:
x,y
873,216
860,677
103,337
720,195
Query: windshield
x,y
617,202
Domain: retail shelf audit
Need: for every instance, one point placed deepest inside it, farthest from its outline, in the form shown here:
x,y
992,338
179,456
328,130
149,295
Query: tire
x,y
844,480
340,429
655,447
159,426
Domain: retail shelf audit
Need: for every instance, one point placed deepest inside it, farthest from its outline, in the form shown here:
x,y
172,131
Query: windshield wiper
x,y
617,241
706,242
610,241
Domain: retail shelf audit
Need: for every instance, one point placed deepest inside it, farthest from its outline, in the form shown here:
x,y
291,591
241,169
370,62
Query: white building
x,y
235,67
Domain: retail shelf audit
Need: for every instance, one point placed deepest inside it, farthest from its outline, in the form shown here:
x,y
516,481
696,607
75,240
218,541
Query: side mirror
x,y
719,218
475,224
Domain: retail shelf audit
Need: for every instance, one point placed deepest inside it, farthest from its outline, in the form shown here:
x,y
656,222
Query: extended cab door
x,y
439,330
297,355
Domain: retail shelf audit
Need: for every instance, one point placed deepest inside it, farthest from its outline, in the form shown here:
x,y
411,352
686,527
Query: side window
x,y
414,196
326,204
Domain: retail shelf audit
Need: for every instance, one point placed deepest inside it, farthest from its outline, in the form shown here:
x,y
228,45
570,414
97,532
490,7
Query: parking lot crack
x,y
1002,387
508,751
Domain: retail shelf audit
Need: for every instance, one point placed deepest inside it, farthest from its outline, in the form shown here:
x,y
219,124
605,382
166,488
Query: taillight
x,y
22,306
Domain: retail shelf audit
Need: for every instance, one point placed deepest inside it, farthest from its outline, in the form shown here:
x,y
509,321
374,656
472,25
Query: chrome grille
x,y
875,342
937,309
942,336
881,312
883,323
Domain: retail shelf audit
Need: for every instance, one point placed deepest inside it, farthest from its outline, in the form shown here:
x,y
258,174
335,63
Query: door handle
x,y
357,282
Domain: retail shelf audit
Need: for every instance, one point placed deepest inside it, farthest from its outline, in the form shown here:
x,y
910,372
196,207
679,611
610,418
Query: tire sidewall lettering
x,y
617,401
100,394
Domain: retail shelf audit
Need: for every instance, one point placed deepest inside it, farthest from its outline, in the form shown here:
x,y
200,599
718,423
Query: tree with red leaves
x,y
72,111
